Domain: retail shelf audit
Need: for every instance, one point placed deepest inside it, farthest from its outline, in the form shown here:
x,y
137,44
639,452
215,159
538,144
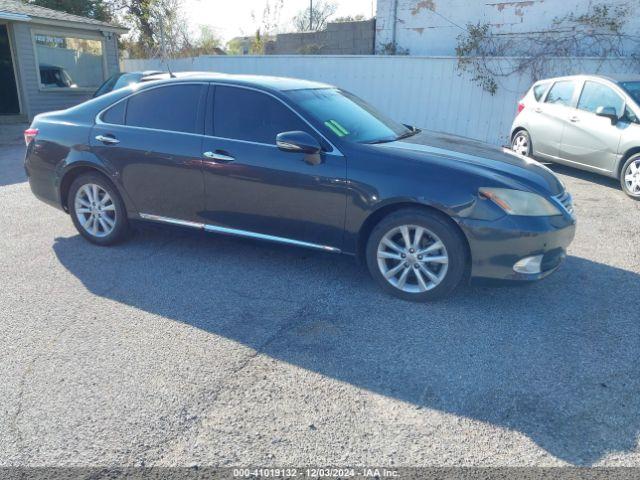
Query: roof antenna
x,y
163,50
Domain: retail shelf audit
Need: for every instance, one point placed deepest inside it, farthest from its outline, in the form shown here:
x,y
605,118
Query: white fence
x,y
428,92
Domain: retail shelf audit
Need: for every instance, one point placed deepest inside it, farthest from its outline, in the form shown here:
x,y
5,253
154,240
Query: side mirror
x,y
298,142
608,112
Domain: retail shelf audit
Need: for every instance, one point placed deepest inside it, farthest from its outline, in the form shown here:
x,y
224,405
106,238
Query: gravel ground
x,y
180,349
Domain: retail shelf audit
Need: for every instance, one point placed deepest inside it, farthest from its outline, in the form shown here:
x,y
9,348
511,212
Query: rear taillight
x,y
520,106
30,135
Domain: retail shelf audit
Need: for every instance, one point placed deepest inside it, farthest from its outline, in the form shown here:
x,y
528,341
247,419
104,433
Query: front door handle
x,y
218,157
107,139
574,119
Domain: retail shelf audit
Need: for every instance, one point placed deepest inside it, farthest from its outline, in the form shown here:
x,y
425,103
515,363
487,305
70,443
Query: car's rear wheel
x,y
416,255
521,143
630,178
97,210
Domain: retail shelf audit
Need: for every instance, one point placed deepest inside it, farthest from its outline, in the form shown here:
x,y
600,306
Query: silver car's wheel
x,y
521,144
632,177
95,210
412,259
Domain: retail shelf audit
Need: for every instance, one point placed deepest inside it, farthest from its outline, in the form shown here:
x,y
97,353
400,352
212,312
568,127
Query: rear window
x,y
561,93
107,86
126,80
539,90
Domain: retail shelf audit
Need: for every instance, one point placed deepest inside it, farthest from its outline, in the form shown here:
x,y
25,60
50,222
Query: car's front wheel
x,y
97,210
521,143
417,255
630,178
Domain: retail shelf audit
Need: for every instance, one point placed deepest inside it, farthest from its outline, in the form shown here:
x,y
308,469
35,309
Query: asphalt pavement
x,y
178,348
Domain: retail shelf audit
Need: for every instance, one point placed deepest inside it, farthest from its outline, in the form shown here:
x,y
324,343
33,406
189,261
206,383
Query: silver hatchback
x,y
590,122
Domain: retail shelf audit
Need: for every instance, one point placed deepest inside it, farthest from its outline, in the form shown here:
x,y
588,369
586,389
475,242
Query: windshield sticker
x,y
337,128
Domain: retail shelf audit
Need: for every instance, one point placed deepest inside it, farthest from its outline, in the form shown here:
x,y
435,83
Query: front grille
x,y
566,200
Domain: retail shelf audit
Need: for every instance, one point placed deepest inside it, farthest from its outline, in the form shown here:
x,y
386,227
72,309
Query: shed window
x,y
69,62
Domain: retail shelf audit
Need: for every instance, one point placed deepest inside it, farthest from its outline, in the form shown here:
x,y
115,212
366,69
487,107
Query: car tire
x,y
429,267
97,210
521,143
630,177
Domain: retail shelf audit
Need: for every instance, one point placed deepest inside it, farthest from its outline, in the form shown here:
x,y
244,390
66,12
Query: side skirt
x,y
237,233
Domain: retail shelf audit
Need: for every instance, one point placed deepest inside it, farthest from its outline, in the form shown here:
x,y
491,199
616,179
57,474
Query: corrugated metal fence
x,y
428,92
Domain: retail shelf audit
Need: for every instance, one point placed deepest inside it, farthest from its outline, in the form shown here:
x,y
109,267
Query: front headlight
x,y
517,202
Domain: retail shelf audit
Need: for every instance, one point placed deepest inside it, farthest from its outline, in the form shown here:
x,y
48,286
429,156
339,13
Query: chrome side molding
x,y
237,233
172,221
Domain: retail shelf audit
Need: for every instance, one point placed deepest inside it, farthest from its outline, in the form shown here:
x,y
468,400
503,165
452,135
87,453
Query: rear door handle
x,y
538,110
219,157
574,119
107,139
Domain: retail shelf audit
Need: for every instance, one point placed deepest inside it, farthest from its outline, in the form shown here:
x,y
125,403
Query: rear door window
x,y
173,108
561,93
595,95
249,115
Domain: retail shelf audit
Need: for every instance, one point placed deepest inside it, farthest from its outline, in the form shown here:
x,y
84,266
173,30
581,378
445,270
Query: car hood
x,y
498,163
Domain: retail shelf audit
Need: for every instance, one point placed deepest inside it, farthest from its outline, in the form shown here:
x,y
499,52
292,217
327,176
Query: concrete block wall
x,y
346,38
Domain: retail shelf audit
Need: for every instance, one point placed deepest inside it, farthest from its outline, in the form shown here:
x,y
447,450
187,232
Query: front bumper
x,y
496,246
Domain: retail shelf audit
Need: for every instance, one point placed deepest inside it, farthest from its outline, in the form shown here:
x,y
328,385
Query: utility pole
x,y
163,52
311,15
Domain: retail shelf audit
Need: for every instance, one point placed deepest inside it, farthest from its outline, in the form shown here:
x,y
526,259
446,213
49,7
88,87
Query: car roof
x,y
266,82
615,78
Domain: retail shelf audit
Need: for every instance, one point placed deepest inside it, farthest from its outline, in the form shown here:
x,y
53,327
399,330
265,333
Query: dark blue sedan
x,y
307,165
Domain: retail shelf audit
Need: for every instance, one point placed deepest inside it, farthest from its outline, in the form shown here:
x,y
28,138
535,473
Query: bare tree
x,y
269,21
158,27
315,18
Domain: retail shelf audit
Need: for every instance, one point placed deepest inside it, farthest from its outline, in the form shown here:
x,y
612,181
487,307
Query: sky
x,y
232,18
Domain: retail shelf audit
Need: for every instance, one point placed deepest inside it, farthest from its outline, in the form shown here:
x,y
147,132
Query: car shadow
x,y
556,361
586,176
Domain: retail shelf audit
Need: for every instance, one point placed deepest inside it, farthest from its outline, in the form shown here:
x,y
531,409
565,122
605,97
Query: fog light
x,y
529,265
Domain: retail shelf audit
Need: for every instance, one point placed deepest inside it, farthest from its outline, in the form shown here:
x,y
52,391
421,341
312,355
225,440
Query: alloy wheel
x,y
412,259
520,144
632,177
95,210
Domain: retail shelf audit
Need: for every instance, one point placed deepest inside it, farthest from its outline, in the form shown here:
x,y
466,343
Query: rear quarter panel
x,y
62,145
57,144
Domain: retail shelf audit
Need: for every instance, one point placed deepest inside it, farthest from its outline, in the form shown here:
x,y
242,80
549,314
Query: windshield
x,y
633,89
347,116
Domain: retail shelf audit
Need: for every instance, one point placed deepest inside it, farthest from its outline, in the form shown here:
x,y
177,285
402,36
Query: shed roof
x,y
20,11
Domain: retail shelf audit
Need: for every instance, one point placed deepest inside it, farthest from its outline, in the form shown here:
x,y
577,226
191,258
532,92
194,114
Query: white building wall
x,y
431,27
